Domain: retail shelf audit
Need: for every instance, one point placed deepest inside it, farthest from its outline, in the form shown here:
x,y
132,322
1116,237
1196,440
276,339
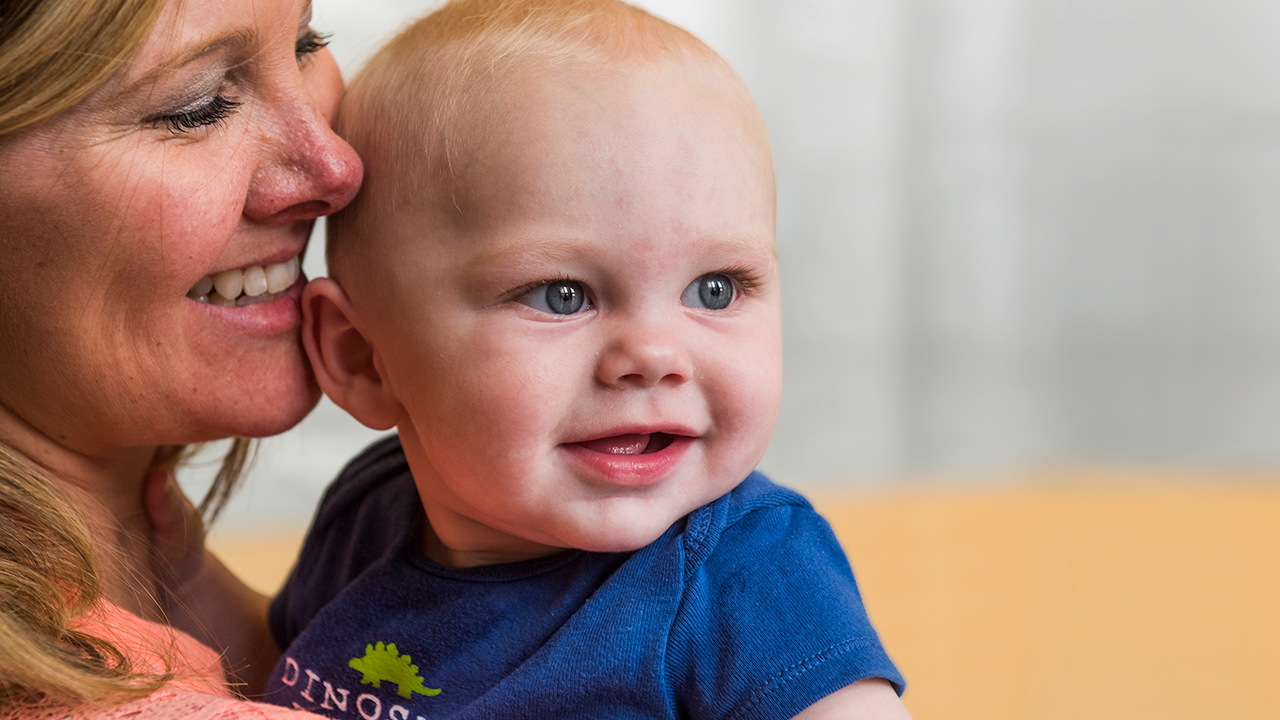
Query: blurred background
x,y
1013,234
1029,253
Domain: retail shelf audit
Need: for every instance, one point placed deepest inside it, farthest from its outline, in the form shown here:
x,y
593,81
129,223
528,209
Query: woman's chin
x,y
268,414
284,416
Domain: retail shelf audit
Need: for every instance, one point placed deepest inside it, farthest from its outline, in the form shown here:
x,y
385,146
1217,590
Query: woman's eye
x,y
310,42
562,297
181,122
713,291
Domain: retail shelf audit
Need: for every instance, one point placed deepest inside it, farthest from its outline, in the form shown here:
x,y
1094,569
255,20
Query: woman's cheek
x,y
200,218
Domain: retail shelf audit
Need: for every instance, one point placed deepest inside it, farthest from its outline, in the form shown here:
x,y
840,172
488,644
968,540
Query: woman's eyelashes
x,y
559,297
309,43
212,112
188,119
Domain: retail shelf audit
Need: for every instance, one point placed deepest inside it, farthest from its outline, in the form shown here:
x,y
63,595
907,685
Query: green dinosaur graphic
x,y
384,662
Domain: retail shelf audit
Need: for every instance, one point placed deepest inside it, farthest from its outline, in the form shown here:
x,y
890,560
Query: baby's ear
x,y
342,357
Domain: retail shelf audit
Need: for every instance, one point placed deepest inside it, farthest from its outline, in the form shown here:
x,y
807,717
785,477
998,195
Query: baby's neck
x,y
477,554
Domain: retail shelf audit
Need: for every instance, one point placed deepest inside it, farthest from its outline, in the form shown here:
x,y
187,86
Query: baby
x,y
559,285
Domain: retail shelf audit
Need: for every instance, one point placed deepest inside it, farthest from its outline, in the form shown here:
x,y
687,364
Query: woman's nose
x,y
307,170
645,355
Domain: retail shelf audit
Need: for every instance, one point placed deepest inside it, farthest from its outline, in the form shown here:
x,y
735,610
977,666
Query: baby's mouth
x,y
630,444
246,286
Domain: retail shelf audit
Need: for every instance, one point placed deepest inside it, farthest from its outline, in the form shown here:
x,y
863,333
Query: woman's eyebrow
x,y
235,40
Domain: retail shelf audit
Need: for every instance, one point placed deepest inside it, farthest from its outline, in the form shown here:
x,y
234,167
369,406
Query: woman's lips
x,y
279,313
631,459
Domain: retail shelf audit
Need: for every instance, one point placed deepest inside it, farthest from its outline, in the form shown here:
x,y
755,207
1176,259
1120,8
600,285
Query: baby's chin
x,y
619,532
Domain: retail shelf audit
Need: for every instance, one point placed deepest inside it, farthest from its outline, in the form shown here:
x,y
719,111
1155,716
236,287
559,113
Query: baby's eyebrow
x,y
748,245
561,251
523,251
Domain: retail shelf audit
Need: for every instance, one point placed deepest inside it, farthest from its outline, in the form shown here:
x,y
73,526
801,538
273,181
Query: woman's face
x,y
208,155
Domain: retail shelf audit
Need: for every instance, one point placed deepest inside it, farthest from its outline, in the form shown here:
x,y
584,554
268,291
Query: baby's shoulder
x,y
758,493
756,513
770,601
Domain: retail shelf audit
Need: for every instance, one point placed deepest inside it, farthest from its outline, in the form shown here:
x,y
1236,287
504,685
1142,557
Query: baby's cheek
x,y
750,412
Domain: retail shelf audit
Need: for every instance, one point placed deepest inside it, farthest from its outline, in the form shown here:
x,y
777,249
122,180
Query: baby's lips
x,y
618,444
630,444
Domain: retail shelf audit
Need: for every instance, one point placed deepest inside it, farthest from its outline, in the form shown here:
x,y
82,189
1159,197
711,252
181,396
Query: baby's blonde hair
x,y
413,110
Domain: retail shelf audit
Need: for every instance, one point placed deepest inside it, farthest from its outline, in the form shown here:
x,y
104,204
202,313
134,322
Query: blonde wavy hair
x,y
53,55
49,579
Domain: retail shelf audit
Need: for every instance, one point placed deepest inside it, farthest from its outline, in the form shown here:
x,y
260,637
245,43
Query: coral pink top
x,y
197,691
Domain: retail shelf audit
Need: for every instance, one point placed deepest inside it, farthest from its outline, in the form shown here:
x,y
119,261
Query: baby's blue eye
x,y
713,291
562,297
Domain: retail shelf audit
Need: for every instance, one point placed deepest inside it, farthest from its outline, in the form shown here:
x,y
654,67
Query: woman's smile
x,y
192,179
239,287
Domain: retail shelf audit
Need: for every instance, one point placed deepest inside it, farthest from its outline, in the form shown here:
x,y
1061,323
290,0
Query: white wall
x,y
1013,232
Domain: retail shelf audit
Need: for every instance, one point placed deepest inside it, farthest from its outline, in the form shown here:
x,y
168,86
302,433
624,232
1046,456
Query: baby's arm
x,y
871,699
200,595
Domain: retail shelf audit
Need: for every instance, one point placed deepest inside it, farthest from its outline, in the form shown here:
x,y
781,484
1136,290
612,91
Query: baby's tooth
x,y
281,275
255,281
201,288
229,283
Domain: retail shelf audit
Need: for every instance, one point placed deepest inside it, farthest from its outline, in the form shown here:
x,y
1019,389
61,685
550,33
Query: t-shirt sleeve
x,y
362,517
773,620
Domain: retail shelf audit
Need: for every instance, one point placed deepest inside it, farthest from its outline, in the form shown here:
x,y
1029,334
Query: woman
x,y
162,164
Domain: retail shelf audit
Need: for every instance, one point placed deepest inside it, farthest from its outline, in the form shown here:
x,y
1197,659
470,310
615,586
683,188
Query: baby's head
x,y
558,281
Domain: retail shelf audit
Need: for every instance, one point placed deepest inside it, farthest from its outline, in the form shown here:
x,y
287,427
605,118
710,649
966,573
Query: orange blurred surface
x,y
1125,597
1074,595
261,559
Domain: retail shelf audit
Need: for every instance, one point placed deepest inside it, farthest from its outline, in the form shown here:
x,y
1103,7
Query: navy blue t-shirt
x,y
746,608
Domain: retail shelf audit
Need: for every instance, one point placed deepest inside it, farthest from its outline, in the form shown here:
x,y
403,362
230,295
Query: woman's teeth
x,y
237,288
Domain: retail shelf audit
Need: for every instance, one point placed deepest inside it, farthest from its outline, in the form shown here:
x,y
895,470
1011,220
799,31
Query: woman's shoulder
x,y
196,691
166,704
153,648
